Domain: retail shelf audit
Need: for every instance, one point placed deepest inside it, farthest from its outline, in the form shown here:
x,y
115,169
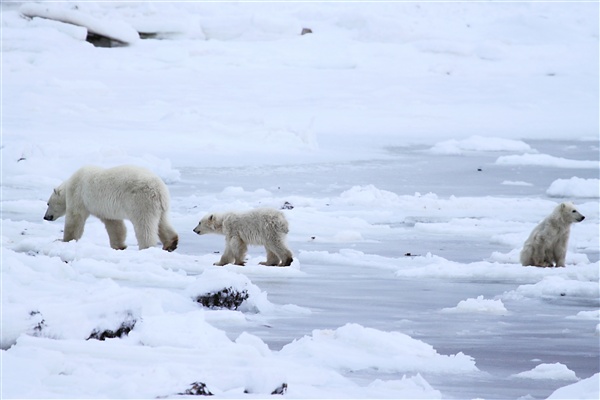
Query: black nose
x,y
49,217
582,218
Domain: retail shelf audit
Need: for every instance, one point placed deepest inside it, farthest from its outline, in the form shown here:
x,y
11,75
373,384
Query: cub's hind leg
x,y
282,252
272,258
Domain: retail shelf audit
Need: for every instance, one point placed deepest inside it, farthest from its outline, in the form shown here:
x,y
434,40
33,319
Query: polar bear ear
x,y
57,191
211,217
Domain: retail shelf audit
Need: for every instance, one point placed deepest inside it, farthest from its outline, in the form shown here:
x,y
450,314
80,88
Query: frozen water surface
x,y
338,293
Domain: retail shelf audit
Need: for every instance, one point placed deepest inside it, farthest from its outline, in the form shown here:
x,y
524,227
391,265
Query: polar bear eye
x,y
574,211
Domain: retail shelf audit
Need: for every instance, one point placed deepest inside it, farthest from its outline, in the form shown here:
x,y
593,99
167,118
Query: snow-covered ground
x,y
418,144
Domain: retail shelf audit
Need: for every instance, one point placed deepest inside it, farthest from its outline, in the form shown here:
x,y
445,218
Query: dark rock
x,y
229,298
287,206
281,389
103,41
40,324
148,35
123,330
197,389
305,31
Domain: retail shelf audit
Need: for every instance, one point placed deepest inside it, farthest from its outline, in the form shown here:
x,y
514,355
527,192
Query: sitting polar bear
x,y
115,194
264,226
547,244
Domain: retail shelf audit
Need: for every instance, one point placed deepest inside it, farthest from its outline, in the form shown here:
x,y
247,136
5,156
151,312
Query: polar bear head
x,y
57,205
212,223
569,213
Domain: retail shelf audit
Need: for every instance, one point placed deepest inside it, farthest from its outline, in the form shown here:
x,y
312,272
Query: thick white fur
x,y
547,244
114,194
263,226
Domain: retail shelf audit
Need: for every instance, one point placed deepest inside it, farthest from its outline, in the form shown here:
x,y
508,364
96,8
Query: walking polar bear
x,y
264,226
547,244
115,194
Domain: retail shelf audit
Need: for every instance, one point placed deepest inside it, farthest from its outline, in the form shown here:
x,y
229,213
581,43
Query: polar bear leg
x,y
167,235
226,258
546,257
537,256
282,252
239,250
272,258
74,224
560,251
525,255
539,253
235,251
117,232
146,232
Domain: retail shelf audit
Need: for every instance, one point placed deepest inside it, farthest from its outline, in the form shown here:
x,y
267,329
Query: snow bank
x,y
587,315
408,388
585,389
113,29
478,305
73,31
545,160
556,371
215,280
354,347
88,288
479,144
558,286
369,194
575,187
81,294
77,276
517,183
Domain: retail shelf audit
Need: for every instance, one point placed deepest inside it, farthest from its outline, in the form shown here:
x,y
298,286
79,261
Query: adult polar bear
x,y
115,194
262,226
547,243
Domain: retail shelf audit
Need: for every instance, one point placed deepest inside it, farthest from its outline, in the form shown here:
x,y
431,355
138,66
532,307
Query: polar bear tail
x,y
167,235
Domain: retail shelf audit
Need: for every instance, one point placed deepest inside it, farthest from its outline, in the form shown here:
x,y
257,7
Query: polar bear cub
x,y
115,194
263,226
547,243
